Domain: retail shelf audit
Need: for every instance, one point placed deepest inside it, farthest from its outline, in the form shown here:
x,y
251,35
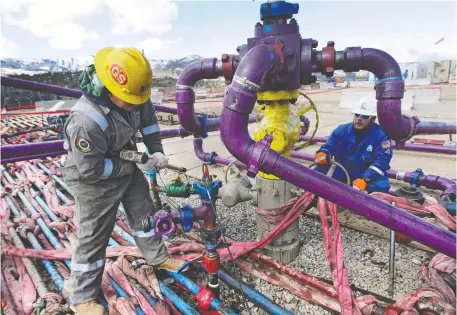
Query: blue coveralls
x,y
369,159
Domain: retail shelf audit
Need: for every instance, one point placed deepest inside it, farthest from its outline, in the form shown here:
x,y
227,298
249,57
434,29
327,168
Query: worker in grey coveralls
x,y
104,121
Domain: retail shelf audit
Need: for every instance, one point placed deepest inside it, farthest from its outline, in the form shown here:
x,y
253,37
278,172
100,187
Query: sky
x,y
408,30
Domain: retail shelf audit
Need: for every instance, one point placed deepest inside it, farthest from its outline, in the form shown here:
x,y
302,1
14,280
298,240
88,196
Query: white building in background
x,y
432,72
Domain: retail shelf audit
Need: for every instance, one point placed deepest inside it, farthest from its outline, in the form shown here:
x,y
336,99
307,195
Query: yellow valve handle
x,y
313,107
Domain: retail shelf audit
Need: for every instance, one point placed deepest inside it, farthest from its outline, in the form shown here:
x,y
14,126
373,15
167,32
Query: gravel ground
x,y
366,258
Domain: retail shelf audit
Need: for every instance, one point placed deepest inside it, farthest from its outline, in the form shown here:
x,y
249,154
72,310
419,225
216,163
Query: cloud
x,y
57,20
155,44
8,48
54,20
405,47
142,16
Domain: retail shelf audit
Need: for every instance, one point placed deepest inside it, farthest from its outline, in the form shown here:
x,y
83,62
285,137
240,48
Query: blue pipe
x,y
126,236
54,177
255,296
62,197
194,288
122,293
151,300
46,230
45,207
40,201
179,303
50,267
58,180
50,236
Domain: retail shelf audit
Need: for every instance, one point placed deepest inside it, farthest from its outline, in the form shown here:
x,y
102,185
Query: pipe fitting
x,y
227,67
185,95
352,59
390,89
207,68
235,191
257,155
328,59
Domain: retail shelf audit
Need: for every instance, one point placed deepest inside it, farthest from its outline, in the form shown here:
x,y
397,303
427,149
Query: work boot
x,y
172,264
89,308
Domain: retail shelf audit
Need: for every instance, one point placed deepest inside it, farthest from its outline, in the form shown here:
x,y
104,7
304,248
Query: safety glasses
x,y
363,116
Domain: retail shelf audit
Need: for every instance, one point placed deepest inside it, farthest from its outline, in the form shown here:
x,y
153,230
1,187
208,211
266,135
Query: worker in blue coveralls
x,y
362,148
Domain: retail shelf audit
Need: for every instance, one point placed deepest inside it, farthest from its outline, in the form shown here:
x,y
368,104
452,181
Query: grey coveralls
x,y
100,181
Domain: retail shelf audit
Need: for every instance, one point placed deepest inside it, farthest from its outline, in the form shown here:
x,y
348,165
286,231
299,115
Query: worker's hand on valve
x,y
322,158
360,184
156,160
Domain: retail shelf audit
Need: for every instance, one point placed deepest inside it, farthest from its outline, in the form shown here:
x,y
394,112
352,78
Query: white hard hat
x,y
366,106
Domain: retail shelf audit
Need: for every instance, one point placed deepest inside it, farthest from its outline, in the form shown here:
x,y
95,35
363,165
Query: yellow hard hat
x,y
125,72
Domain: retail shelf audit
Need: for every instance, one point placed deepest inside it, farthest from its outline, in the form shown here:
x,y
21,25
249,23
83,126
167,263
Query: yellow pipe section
x,y
278,121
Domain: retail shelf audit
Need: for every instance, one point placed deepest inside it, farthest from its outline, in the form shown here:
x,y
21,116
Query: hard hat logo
x,y
119,74
364,106
125,73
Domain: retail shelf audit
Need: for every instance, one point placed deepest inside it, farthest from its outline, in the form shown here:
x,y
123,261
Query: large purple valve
x,y
164,224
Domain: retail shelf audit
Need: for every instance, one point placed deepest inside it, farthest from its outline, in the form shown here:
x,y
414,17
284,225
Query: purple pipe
x,y
212,157
389,92
29,149
205,212
446,185
408,147
239,103
32,157
40,87
430,128
22,152
185,95
54,89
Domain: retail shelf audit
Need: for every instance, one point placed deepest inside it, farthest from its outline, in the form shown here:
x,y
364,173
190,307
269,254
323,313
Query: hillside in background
x,y
66,73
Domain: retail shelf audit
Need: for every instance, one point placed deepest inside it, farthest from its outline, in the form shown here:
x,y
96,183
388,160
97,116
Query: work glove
x,y
156,160
359,184
322,158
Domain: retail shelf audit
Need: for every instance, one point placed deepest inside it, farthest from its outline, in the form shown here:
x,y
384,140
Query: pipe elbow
x,y
397,126
209,68
198,149
241,97
449,191
380,63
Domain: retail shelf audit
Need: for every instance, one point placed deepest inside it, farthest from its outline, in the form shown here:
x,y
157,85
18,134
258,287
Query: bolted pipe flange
x,y
164,224
257,155
227,67
352,59
411,193
328,59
